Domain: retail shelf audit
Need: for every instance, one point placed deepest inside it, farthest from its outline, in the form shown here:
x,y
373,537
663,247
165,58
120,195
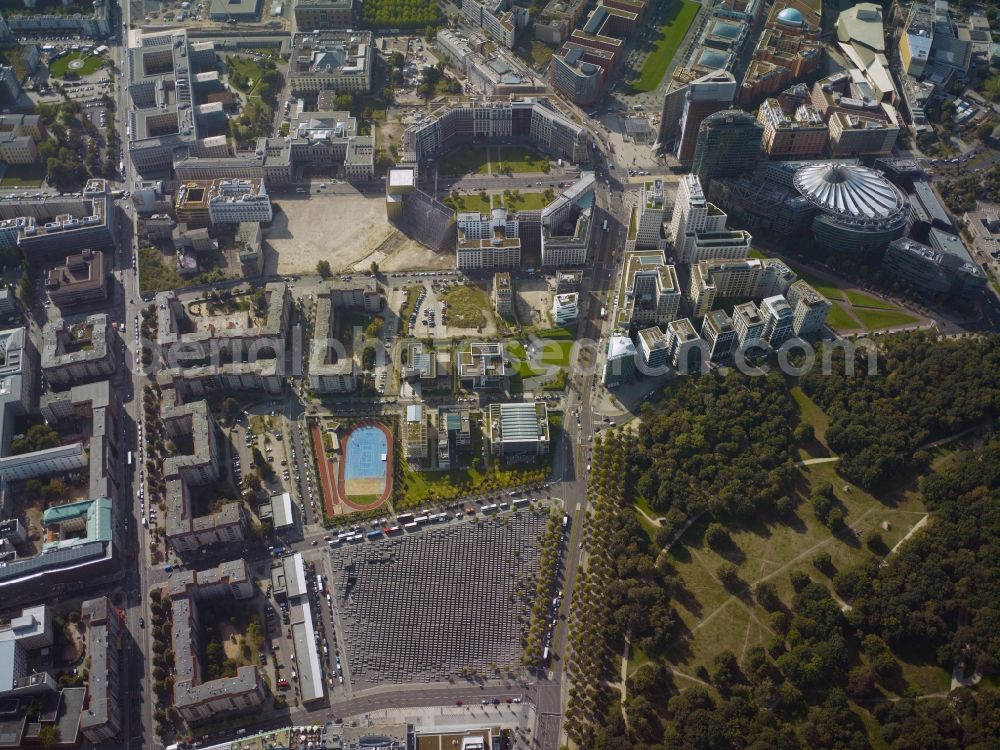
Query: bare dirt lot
x,y
347,229
533,299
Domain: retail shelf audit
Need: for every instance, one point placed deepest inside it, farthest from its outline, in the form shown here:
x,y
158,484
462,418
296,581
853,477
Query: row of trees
x,y
591,660
549,564
400,14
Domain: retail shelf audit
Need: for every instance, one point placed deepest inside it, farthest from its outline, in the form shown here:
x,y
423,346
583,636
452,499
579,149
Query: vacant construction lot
x,y
347,229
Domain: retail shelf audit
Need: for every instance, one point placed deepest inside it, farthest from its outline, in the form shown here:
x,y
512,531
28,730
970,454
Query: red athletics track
x,y
326,478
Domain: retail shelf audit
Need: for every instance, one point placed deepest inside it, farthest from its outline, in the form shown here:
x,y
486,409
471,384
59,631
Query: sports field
x,y
676,24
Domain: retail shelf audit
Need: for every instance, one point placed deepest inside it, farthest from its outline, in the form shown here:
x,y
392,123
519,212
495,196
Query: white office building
x,y
698,227
565,308
810,309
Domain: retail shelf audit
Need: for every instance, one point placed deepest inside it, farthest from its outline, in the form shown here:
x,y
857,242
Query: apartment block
x,y
195,699
810,309
487,241
483,366
47,228
648,291
196,436
503,294
687,350
499,19
324,14
654,348
557,19
331,60
775,278
96,406
779,319
749,325
415,441
79,281
652,210
225,353
19,135
713,280
719,333
802,134
104,628
78,353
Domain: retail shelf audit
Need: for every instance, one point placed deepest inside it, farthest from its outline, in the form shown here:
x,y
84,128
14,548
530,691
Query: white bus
x,y
130,458
605,225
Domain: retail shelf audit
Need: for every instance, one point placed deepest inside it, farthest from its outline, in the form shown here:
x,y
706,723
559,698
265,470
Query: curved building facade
x,y
858,209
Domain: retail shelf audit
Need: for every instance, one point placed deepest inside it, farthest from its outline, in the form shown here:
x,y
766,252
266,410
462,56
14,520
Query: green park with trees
x,y
762,602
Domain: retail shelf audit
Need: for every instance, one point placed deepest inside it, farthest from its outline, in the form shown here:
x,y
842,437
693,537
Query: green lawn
x,y
769,551
412,292
465,161
469,202
515,349
810,413
877,319
23,175
467,306
365,499
154,274
555,353
840,319
523,201
447,485
633,224
555,333
91,63
244,72
826,288
755,253
866,300
520,159
676,24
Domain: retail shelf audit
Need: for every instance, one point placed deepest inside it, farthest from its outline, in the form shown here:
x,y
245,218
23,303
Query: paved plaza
x,y
430,604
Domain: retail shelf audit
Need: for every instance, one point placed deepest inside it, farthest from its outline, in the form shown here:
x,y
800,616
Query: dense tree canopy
x,y
829,677
940,589
718,442
924,389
